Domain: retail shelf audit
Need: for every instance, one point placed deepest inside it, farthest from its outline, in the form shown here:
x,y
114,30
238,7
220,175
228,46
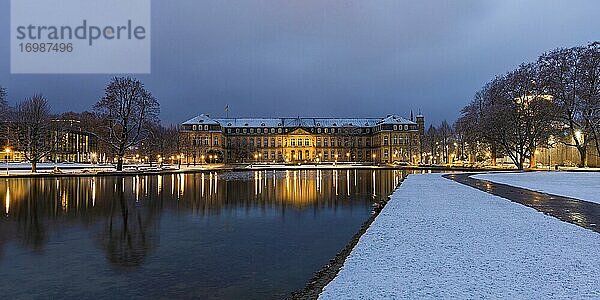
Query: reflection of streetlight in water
x,y
7,200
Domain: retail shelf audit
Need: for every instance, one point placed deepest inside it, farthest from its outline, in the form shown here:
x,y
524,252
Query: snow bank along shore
x,y
438,238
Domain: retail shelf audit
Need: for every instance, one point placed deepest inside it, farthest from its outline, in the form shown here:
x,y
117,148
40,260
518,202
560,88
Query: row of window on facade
x,y
306,155
279,130
204,141
305,142
396,140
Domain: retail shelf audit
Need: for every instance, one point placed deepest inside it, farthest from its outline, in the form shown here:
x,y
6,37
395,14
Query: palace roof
x,y
297,122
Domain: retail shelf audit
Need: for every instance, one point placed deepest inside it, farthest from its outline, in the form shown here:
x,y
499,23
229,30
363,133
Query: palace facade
x,y
392,139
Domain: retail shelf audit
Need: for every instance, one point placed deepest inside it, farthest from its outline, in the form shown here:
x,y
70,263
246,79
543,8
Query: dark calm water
x,y
250,235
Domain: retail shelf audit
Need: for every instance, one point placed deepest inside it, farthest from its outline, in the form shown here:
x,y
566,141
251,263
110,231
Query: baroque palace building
x,y
392,139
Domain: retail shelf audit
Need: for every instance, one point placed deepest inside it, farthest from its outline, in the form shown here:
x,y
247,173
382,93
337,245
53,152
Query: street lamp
x,y
579,136
7,150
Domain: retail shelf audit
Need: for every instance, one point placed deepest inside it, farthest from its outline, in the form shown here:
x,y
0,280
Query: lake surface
x,y
250,235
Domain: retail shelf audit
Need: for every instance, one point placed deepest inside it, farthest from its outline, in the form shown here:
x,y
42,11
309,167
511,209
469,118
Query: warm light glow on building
x,y
302,140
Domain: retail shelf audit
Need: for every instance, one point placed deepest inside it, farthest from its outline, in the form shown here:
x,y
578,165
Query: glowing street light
x,y
579,136
7,150
94,159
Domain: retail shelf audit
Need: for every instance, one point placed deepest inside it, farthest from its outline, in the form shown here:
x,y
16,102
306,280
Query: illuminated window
x,y
306,142
385,140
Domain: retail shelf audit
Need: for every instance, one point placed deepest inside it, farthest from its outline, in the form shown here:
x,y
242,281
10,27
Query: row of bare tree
x,y
125,119
553,100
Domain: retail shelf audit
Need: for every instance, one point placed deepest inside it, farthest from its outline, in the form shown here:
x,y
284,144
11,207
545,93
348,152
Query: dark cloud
x,y
326,58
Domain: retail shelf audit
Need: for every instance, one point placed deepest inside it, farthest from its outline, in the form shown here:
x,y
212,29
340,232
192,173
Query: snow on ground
x,y
439,239
580,185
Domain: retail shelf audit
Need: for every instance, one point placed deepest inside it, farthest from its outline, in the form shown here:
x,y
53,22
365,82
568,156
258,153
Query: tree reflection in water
x,y
130,232
31,229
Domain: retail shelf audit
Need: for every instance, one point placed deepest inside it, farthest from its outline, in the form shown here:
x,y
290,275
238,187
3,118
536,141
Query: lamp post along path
x,y
7,153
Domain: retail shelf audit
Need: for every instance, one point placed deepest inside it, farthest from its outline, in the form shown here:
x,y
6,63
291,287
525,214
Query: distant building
x,y
66,139
392,139
568,156
72,144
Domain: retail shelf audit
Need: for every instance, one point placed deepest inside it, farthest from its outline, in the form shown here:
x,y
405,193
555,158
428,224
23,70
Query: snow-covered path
x,y
579,185
439,239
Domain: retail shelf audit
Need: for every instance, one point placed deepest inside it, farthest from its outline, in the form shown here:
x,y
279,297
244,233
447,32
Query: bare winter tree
x,y
445,134
161,142
33,133
429,144
520,114
3,103
591,90
5,112
126,110
571,79
478,124
350,133
239,149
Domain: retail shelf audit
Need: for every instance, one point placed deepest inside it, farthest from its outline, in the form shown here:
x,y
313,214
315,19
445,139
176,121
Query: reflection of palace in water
x,y
123,213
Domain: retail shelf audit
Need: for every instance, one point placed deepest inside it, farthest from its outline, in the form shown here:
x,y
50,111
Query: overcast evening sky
x,y
325,58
